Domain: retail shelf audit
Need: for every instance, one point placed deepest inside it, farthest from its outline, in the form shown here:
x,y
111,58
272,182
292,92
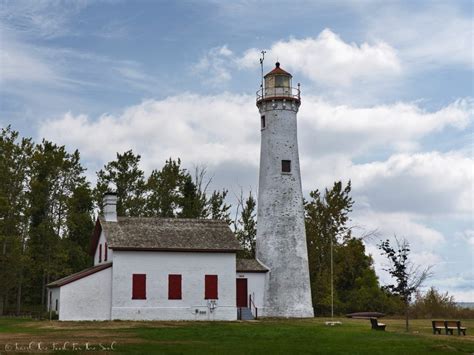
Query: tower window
x,y
286,166
263,121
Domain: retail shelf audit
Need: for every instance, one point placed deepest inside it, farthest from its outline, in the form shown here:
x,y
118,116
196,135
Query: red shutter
x,y
174,287
210,287
105,252
139,287
100,253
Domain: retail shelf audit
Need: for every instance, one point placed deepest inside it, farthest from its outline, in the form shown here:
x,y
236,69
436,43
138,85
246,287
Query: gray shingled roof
x,y
250,265
79,275
178,234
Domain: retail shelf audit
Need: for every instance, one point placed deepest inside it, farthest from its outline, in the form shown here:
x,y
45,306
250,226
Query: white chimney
x,y
110,206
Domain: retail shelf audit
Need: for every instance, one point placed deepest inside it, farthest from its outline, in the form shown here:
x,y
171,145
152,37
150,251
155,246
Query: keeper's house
x,y
160,269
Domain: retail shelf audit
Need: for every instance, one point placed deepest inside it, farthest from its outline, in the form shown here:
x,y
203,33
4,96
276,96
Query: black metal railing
x,y
279,92
253,308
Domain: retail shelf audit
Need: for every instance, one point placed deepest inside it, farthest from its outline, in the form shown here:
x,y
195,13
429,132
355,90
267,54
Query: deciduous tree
x,y
408,276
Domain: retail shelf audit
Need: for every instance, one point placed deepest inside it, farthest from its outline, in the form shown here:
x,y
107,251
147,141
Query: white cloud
x,y
198,129
23,63
429,183
224,129
468,237
398,126
435,35
329,60
403,225
423,183
214,65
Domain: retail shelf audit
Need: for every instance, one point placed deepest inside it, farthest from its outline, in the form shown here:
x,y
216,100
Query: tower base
x,y
300,312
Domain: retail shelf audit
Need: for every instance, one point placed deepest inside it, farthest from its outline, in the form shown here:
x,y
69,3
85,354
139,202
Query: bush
x,y
434,304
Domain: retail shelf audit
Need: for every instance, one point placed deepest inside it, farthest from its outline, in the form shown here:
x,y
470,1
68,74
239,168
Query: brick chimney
x,y
110,206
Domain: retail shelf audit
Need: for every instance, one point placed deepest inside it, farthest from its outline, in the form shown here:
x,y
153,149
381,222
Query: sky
x,y
387,101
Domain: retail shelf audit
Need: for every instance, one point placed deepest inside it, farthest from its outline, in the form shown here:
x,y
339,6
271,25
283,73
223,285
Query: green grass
x,y
259,337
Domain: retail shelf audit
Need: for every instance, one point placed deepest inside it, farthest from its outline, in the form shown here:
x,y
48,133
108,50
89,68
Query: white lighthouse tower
x,y
281,237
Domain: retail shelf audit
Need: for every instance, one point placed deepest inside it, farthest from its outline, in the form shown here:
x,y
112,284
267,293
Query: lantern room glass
x,y
282,81
278,85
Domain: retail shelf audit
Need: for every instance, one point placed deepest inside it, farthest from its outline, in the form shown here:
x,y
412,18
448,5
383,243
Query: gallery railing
x,y
279,92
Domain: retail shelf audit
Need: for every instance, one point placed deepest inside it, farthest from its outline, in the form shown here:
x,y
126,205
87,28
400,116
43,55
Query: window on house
x,y
286,166
174,287
139,287
56,305
263,121
210,292
105,252
100,253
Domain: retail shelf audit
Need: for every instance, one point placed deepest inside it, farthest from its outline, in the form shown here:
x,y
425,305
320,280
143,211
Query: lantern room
x,y
278,78
278,85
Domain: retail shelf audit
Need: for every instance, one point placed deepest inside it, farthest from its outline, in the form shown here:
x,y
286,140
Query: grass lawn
x,y
308,336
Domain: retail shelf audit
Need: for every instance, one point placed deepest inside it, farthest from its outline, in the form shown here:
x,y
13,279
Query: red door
x,y
242,293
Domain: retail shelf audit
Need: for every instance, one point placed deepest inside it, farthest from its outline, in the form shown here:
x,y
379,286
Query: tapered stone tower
x,y
281,238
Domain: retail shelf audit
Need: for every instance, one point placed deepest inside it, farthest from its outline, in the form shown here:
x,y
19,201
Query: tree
x,y
434,304
246,226
218,209
164,190
408,277
127,178
193,199
55,174
15,164
326,218
79,227
355,282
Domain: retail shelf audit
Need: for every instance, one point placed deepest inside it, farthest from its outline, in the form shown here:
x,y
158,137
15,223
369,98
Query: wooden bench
x,y
451,325
438,325
376,325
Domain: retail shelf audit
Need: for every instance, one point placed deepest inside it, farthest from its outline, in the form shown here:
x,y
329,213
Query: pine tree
x,y
246,227
125,176
54,176
218,208
79,227
15,163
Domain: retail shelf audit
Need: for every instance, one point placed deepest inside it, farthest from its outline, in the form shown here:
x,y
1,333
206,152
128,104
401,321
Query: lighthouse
x,y
281,237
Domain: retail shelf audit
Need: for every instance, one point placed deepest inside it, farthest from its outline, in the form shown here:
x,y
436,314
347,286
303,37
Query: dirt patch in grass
x,y
69,336
444,347
56,325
